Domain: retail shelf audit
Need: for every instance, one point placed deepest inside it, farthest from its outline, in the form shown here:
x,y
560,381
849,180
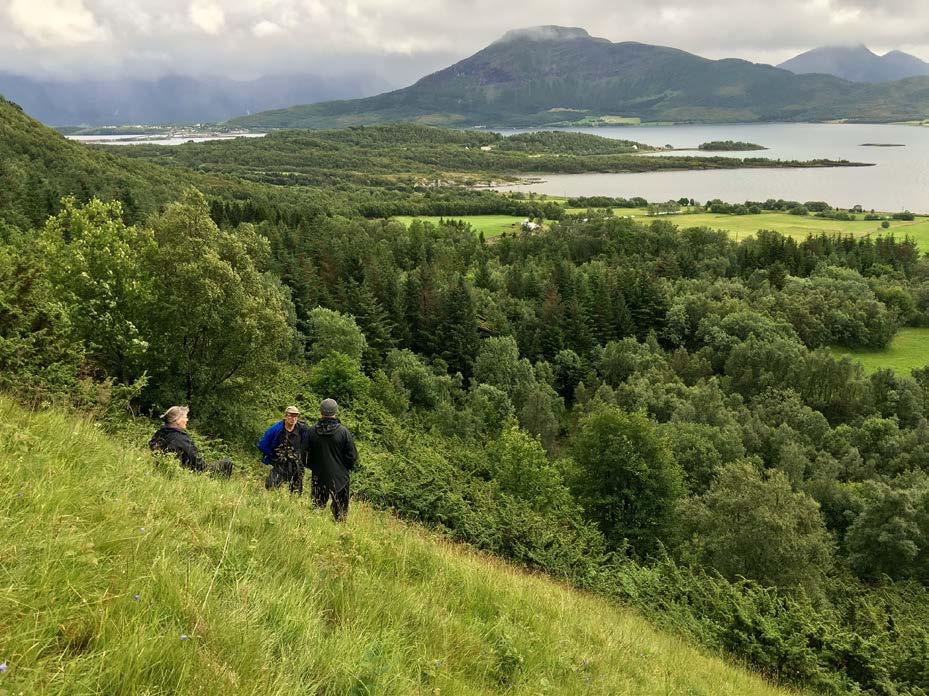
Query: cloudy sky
x,y
401,40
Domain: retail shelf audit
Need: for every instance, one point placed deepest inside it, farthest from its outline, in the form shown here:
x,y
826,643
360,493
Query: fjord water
x,y
156,139
898,181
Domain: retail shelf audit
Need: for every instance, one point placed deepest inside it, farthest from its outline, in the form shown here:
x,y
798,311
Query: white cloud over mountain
x,y
404,40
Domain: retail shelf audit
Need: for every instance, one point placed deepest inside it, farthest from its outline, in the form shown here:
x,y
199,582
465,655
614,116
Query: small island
x,y
882,145
729,146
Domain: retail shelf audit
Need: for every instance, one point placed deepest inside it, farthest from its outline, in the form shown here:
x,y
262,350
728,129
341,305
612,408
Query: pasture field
x,y
124,575
908,350
490,225
799,226
739,226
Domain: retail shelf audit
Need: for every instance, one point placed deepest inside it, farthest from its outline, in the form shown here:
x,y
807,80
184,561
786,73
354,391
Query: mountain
x,y
857,64
174,98
560,76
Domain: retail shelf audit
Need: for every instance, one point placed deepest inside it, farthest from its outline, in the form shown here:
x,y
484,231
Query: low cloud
x,y
265,28
208,16
51,23
402,40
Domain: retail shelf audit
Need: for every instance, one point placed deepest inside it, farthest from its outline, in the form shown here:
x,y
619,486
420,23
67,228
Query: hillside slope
x,y
124,576
558,75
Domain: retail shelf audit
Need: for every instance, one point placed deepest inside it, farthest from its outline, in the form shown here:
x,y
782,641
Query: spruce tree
x,y
457,334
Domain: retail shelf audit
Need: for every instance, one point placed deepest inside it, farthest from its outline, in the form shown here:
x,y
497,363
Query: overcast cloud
x,y
402,40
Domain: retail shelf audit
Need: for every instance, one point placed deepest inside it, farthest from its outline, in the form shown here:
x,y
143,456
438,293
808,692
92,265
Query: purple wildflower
x,y
3,667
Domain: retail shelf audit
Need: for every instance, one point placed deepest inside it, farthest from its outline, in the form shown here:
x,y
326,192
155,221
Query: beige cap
x,y
292,409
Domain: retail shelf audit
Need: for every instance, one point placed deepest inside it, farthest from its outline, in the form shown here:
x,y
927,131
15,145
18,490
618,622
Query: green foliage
x,y
890,536
522,469
755,526
627,478
332,332
339,377
217,320
38,356
729,145
100,268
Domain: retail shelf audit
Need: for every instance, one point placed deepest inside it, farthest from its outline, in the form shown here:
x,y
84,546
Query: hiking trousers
x,y
321,495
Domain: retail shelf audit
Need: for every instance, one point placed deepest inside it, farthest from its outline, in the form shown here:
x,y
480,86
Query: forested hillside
x,y
651,413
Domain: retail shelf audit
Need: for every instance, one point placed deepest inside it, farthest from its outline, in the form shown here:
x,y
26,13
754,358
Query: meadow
x,y
490,225
909,350
739,226
123,574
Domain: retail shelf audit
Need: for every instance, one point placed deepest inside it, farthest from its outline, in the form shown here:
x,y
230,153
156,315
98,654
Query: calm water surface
x,y
155,139
900,179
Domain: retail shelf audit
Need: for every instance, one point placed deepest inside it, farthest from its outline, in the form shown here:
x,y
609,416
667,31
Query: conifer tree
x,y
457,334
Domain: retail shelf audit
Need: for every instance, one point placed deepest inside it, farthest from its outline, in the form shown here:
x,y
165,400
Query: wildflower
x,y
142,529
3,667
136,597
183,636
19,495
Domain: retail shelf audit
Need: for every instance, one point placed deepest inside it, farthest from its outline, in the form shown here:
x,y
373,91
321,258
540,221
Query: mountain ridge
x,y
547,76
857,64
174,99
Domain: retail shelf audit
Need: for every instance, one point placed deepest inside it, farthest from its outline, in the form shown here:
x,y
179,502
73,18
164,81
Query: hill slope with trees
x,y
135,577
596,402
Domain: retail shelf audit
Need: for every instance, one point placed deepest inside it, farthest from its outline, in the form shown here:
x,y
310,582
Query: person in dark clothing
x,y
332,457
172,437
283,448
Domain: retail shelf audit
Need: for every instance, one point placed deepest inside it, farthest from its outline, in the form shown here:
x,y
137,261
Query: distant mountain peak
x,y
857,63
546,32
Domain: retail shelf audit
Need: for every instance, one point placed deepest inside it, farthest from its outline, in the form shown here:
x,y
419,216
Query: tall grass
x,y
123,574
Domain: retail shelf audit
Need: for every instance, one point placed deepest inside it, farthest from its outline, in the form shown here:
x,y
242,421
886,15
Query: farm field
x,y
791,225
490,225
740,226
800,226
907,351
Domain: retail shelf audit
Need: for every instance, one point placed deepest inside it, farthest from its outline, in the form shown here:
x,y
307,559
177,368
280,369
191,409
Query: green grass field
x,y
120,574
490,225
908,350
800,226
740,226
796,226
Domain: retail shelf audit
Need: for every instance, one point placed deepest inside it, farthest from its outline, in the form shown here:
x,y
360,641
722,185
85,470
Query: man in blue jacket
x,y
283,448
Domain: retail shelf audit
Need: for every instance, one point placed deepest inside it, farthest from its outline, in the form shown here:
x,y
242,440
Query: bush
x,y
339,377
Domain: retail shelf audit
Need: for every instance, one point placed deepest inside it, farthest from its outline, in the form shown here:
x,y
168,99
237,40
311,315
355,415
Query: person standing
x,y
172,438
283,448
332,457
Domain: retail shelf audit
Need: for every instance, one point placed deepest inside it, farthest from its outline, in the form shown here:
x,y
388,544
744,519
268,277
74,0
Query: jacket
x,y
177,441
273,436
332,454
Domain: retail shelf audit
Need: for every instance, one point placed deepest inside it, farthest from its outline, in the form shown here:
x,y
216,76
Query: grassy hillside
x,y
557,76
124,576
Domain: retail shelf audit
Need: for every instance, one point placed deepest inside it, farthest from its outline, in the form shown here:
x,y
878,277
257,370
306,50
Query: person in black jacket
x,y
332,456
283,448
172,437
